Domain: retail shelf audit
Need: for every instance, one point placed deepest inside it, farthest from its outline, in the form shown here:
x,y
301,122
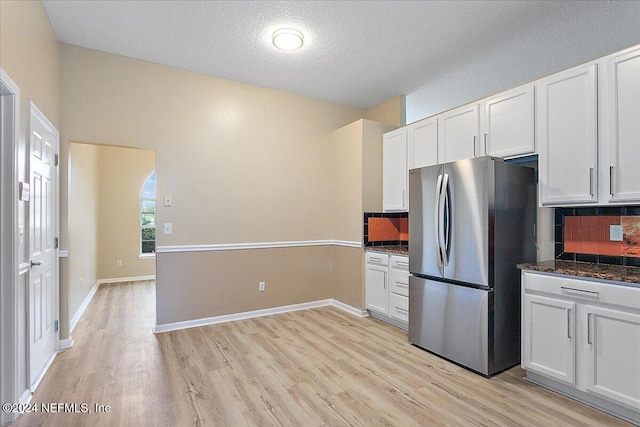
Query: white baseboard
x,y
349,309
125,279
168,327
76,317
65,344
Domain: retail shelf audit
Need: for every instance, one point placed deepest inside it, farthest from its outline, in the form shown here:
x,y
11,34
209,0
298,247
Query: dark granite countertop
x,y
617,273
395,249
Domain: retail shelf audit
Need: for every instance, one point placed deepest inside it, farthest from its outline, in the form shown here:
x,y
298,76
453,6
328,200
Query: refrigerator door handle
x,y
442,204
437,220
446,226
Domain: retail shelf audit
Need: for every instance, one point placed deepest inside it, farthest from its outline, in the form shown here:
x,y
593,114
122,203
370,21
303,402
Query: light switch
x,y
168,201
615,233
168,228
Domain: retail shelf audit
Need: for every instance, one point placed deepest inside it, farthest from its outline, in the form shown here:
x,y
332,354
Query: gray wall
x,y
558,41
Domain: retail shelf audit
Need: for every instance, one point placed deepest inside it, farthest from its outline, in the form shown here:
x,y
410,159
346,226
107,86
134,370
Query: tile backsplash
x,y
386,228
584,234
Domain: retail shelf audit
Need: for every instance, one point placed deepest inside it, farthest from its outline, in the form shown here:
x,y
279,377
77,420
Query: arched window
x,y
148,216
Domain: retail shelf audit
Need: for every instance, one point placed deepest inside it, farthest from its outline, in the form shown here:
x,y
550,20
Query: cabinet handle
x,y
375,259
611,180
475,138
485,144
591,182
569,323
592,293
589,328
404,196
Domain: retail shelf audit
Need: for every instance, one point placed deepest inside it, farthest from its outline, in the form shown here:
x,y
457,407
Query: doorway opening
x,y
111,220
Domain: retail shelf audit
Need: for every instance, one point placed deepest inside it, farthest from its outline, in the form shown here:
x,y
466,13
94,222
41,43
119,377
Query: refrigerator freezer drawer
x,y
451,321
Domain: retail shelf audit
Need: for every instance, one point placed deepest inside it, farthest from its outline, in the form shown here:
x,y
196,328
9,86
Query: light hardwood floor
x,y
319,367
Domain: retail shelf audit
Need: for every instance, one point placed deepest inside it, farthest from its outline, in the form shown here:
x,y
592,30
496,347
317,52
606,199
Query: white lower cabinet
x,y
550,345
613,355
387,287
582,338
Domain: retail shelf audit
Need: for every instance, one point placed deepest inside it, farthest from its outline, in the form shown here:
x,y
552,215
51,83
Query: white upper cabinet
x,y
422,143
458,132
394,171
620,124
508,123
566,120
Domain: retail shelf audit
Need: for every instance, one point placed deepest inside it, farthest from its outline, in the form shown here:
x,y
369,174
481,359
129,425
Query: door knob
x,y
35,263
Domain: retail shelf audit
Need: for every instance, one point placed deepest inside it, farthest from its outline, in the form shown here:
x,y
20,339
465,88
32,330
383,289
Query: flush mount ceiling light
x,y
287,39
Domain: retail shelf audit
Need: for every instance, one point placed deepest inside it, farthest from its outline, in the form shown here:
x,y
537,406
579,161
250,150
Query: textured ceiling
x,y
357,53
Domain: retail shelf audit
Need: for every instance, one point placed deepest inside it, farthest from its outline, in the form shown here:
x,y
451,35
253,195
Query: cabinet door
x,y
548,337
622,138
458,132
394,171
567,134
377,294
613,356
422,141
509,123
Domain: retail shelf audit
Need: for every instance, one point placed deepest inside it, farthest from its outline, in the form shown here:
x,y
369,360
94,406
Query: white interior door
x,y
43,274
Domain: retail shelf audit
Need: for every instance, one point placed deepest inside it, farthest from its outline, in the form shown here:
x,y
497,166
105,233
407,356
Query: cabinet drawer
x,y
399,262
377,258
399,282
586,290
399,307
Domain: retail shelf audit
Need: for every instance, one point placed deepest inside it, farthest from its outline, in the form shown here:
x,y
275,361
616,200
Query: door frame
x,y
10,93
33,111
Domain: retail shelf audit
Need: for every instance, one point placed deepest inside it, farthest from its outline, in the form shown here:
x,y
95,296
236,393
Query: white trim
x,y
168,327
76,317
259,245
9,310
23,268
125,279
147,256
349,309
65,344
63,253
26,396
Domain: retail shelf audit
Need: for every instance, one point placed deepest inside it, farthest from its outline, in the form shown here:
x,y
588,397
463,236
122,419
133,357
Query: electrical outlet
x,y
615,233
168,201
119,263
261,286
168,228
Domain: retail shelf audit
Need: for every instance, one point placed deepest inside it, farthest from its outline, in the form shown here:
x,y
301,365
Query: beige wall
x,y
122,173
357,187
225,282
83,223
346,144
29,55
391,112
243,164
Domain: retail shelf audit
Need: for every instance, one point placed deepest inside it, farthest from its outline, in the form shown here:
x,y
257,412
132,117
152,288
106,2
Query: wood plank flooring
x,y
319,367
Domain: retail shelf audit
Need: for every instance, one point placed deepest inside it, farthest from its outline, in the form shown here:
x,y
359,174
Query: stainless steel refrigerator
x,y
470,223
